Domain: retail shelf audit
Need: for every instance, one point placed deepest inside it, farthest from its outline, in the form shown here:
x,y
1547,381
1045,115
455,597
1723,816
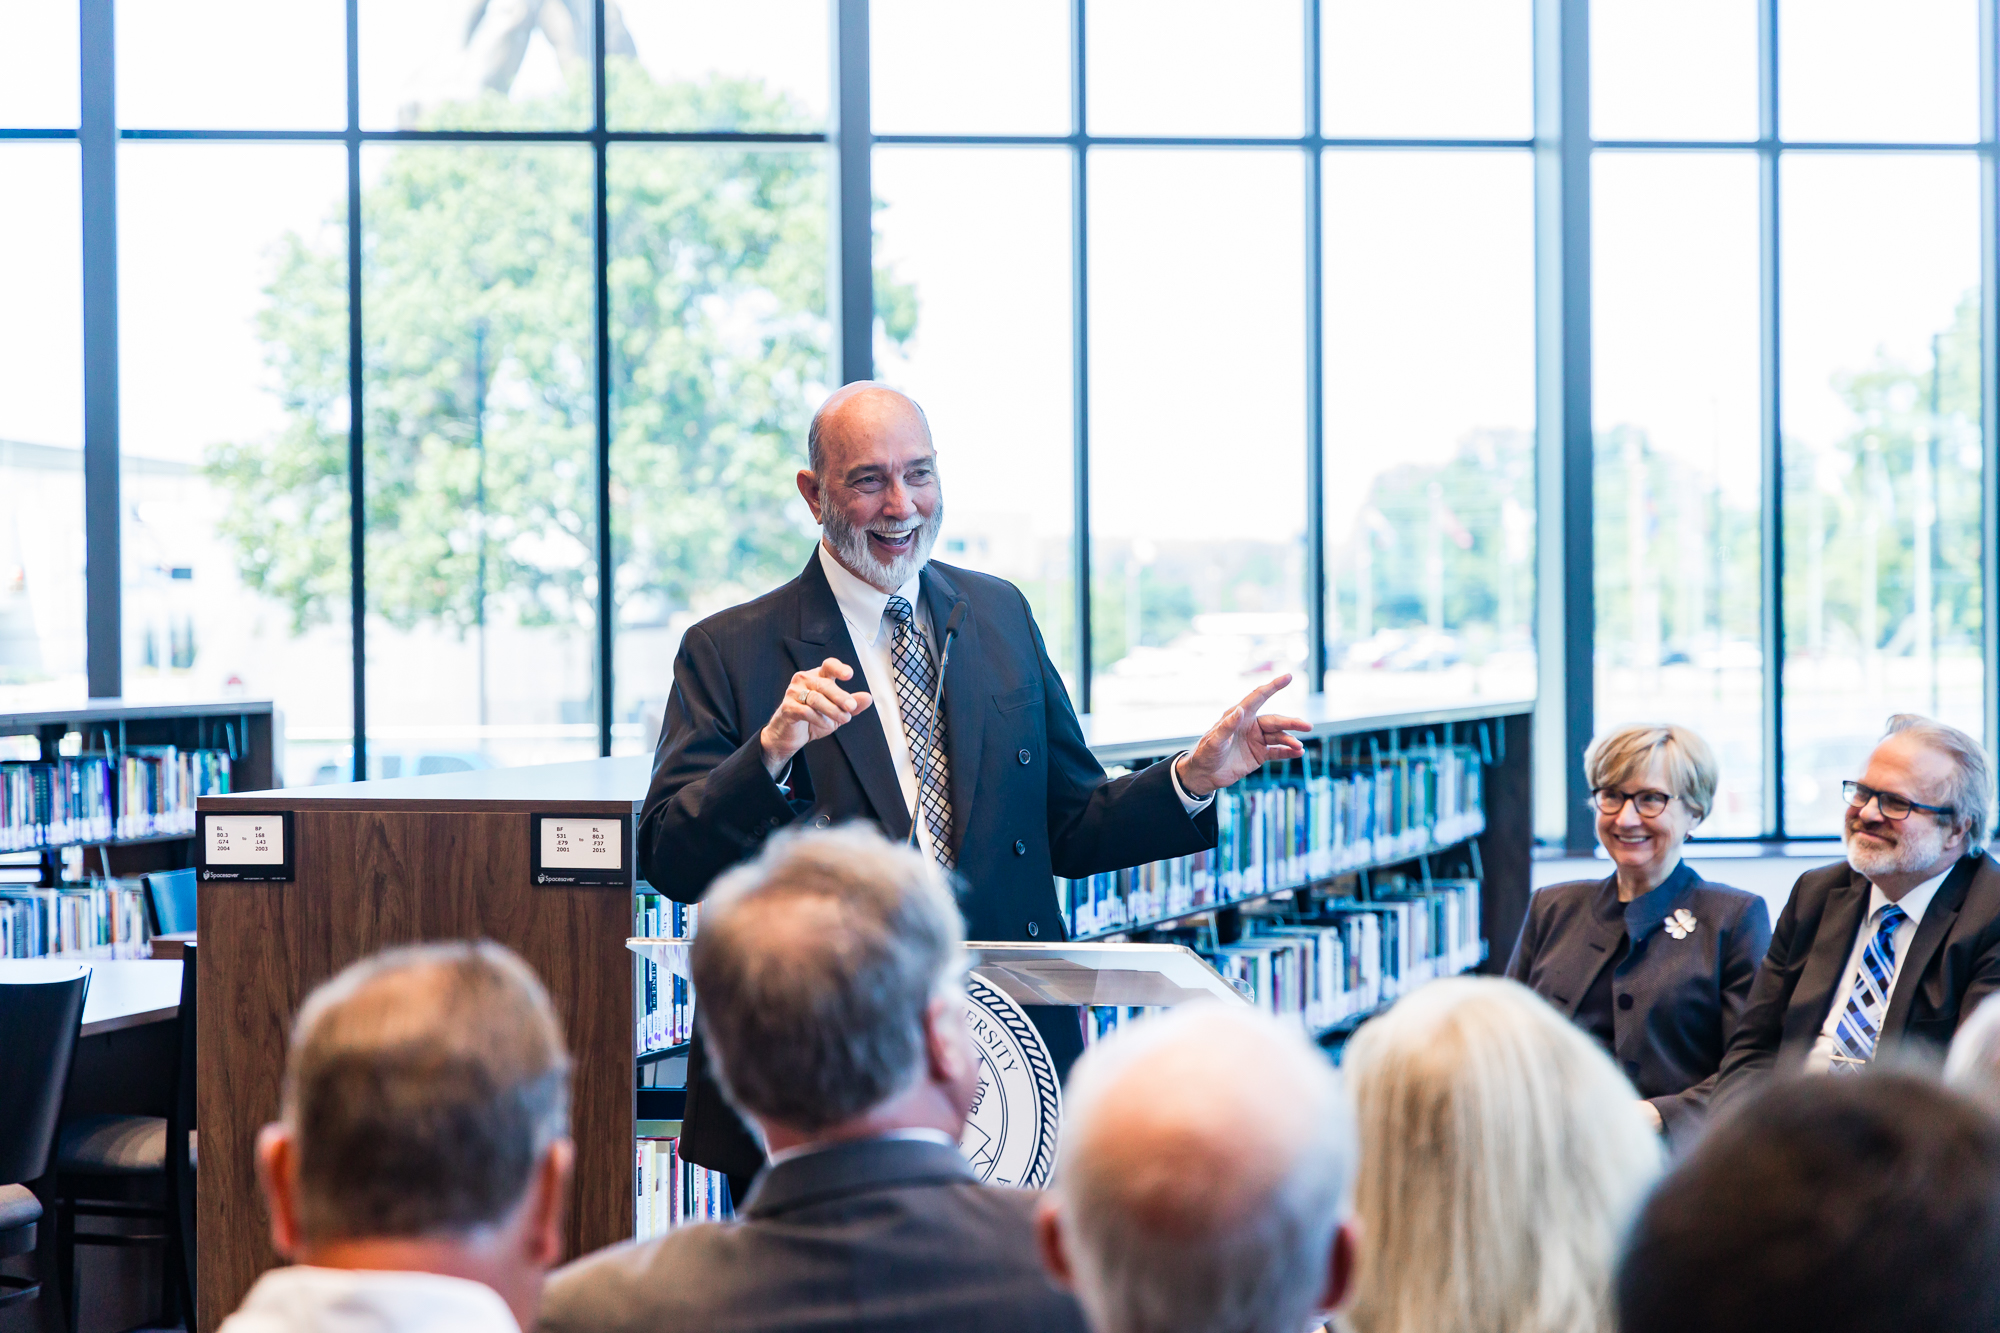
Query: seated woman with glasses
x,y
1653,961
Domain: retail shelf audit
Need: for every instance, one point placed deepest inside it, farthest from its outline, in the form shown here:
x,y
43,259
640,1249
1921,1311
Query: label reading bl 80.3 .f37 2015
x,y
580,849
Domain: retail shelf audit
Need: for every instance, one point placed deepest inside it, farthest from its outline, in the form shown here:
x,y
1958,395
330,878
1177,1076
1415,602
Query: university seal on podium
x,y
1010,1138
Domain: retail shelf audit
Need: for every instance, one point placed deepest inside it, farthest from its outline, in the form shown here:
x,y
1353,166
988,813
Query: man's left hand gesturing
x,y
1240,742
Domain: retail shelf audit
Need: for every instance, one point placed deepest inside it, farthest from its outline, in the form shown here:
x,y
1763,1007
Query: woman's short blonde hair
x,y
1617,755
1502,1157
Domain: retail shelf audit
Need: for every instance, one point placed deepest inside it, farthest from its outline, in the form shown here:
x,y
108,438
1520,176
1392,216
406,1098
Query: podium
x,y
1010,1137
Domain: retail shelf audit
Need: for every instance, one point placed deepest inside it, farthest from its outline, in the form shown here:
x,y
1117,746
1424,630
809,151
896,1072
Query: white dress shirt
x,y
1914,903
861,606
304,1299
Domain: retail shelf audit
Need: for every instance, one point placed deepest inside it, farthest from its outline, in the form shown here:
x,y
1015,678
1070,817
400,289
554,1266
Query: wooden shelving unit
x,y
396,862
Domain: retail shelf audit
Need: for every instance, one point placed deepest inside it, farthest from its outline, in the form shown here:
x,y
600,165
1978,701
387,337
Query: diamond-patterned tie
x,y
916,683
1860,1024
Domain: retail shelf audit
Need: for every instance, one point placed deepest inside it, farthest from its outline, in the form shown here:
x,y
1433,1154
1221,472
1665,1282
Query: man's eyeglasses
x,y
1889,803
1610,800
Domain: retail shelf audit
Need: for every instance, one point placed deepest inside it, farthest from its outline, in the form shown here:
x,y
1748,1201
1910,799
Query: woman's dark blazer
x,y
1675,1001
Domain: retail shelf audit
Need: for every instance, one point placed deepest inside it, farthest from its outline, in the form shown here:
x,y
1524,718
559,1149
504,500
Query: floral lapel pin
x,y
1681,924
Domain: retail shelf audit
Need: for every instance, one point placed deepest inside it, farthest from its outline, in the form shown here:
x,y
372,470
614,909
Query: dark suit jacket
x,y
869,1237
1685,996
1029,800
1952,964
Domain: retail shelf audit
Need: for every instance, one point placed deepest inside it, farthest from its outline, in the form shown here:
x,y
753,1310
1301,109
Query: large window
x,y
233,399
1678,496
1788,331
1430,425
458,373
1192,264
41,426
1882,466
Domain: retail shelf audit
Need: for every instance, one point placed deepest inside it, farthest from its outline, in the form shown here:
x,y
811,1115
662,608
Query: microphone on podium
x,y
952,624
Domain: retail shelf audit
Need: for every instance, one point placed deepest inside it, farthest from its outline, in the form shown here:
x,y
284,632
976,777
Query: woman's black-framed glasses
x,y
1610,801
1889,803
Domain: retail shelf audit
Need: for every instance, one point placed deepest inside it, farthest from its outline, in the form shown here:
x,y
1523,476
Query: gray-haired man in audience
x,y
829,972
416,1179
1204,1177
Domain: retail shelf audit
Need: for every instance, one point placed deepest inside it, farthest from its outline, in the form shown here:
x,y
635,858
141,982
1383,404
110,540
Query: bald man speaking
x,y
818,702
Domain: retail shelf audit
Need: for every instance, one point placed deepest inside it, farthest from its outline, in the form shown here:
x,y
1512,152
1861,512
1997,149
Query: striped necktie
x,y
1860,1026
916,684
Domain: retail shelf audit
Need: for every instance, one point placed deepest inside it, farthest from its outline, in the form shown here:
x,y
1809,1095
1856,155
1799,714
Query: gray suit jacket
x,y
883,1236
1677,1001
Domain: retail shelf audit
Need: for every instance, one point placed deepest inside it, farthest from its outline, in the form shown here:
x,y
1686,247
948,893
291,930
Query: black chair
x,y
40,1021
170,901
137,1167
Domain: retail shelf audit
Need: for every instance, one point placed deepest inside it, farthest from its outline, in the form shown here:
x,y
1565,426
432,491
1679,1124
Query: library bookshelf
x,y
449,857
1395,852
140,830
92,797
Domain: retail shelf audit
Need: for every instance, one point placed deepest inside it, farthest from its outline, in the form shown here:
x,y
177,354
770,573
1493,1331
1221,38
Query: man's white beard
x,y
852,546
1908,855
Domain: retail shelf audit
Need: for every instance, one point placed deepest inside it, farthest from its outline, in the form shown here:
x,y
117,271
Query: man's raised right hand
x,y
814,706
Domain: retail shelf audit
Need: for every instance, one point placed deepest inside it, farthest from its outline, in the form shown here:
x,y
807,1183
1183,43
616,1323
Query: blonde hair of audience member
x,y
1501,1160
1973,1064
1203,1178
424,1125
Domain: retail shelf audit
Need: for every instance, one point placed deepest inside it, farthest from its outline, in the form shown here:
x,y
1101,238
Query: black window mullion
x,y
97,137
1565,582
1079,271
1317,591
854,259
357,505
1989,361
601,252
1771,611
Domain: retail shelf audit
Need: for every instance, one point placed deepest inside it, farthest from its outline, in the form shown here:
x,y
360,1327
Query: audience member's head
x,y
1203,1179
1630,768
1502,1157
831,973
1852,1204
425,1122
1925,799
1973,1065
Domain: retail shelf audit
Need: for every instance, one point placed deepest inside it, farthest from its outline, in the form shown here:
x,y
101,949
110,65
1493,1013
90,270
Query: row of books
x,y
664,1002
158,784
673,1193
1351,958
52,804
105,919
1286,831
1342,959
138,793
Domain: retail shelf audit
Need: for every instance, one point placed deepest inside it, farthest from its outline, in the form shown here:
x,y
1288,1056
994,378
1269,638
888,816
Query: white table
x,y
124,992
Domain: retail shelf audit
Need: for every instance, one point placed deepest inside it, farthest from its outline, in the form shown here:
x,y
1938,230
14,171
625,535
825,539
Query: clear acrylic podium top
x,y
1073,974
